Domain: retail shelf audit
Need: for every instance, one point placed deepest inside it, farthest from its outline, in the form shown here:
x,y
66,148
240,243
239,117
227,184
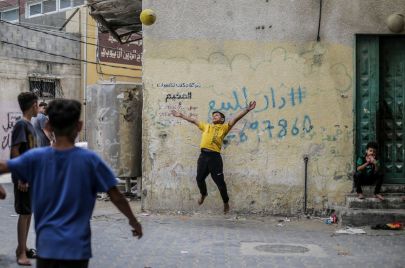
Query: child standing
x,y
65,181
368,171
23,139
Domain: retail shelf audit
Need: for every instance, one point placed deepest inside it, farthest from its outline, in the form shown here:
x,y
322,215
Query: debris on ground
x,y
388,226
350,230
103,197
284,220
332,219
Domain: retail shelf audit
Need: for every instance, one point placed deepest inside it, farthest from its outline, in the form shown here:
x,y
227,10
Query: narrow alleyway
x,y
201,240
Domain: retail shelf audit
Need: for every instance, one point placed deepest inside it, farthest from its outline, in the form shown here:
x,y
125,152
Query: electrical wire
x,y
70,58
318,37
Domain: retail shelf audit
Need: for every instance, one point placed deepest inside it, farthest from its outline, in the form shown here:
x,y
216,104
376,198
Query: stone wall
x,y
208,55
18,64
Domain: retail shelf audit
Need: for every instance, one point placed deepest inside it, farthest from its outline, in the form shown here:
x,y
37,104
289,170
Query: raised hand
x,y
251,106
176,113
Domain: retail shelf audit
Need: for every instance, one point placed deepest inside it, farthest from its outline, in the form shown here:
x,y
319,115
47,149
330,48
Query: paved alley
x,y
201,240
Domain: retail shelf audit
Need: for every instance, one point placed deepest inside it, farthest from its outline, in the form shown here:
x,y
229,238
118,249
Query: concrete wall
x,y
227,53
17,64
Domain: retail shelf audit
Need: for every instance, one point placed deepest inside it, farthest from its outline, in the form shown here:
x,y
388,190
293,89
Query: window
x,y
10,15
49,6
45,88
63,4
35,10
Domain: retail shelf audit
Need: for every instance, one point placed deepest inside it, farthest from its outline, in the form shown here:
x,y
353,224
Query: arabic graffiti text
x,y
270,129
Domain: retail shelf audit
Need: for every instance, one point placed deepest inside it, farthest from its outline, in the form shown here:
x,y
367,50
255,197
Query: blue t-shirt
x,y
64,186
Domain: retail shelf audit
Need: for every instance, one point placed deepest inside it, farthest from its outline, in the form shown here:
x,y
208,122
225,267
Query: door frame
x,y
358,147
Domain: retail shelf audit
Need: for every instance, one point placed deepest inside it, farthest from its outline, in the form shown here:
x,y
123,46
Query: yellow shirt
x,y
213,135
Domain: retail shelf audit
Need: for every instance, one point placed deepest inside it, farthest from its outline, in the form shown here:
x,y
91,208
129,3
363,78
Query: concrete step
x,y
386,188
392,201
370,217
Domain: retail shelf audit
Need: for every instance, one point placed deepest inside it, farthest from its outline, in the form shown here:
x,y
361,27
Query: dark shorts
x,y
51,263
22,201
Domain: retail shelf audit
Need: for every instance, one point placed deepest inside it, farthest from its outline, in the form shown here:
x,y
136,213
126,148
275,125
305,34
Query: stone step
x,y
370,217
392,201
386,188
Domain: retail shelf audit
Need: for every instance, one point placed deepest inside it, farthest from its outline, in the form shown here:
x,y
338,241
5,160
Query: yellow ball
x,y
148,17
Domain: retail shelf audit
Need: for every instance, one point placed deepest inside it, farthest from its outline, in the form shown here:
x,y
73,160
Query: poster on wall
x,y
110,50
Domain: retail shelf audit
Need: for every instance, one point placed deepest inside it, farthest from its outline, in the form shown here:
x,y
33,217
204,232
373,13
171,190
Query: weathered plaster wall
x,y
217,55
17,64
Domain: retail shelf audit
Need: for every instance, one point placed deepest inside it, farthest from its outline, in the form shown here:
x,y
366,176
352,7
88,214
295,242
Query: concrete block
x,y
392,201
370,217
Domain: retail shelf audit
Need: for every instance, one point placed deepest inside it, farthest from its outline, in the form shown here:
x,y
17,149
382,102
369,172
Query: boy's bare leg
x,y
379,196
201,200
22,235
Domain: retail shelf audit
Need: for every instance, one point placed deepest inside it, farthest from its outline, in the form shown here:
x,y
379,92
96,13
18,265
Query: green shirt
x,y
370,169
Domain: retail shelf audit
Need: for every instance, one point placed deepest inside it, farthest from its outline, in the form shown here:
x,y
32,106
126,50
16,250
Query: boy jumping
x,y
64,181
210,160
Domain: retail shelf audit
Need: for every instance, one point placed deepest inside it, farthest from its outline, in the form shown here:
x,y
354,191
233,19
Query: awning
x,y
119,17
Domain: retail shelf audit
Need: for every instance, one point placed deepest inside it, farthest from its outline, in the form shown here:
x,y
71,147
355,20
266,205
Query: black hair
x,y
63,116
42,104
26,100
372,144
221,114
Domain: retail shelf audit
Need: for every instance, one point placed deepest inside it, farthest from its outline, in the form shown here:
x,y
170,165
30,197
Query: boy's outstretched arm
x,y
3,169
242,113
185,117
121,203
3,193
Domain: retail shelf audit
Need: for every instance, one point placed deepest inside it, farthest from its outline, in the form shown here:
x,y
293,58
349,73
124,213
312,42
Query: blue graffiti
x,y
283,129
273,99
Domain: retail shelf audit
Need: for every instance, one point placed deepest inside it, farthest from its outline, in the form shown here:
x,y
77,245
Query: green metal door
x,y
391,115
367,90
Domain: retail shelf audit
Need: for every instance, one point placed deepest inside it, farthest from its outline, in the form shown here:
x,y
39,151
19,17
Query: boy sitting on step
x,y
368,171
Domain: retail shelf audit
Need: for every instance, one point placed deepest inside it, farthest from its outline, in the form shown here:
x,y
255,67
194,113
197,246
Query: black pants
x,y
50,263
211,163
364,179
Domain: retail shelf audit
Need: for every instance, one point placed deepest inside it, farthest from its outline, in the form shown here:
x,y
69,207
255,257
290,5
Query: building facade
x,y
317,82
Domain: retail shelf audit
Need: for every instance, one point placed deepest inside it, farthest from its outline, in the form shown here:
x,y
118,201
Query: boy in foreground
x,y
210,160
64,180
368,171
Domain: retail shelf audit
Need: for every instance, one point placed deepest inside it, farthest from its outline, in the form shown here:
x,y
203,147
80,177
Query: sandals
x,y
31,253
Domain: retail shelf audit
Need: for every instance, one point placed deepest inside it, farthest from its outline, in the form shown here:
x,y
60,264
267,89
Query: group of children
x,y
59,183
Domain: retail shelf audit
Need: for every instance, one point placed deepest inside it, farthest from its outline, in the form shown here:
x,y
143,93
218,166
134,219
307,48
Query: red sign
x,y
110,50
